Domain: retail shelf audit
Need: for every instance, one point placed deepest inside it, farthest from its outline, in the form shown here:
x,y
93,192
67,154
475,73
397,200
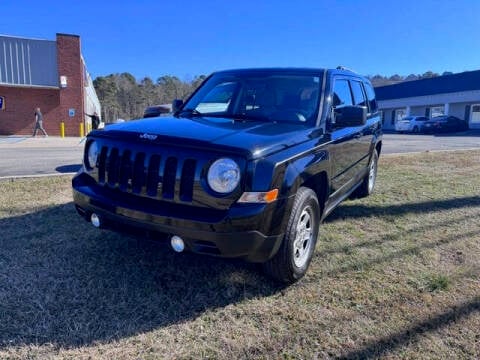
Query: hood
x,y
251,138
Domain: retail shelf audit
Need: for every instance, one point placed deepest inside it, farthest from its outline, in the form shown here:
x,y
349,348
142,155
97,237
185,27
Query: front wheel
x,y
291,261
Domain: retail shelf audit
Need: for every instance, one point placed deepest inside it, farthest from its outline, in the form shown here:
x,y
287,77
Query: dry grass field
x,y
395,276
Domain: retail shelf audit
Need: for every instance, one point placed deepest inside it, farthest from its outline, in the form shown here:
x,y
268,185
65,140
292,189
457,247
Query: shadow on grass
x,y
387,344
356,210
65,283
390,237
370,262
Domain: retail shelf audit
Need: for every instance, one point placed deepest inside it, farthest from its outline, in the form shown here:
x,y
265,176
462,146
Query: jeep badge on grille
x,y
148,136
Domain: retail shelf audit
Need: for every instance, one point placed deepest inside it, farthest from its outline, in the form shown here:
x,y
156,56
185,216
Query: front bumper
x,y
252,232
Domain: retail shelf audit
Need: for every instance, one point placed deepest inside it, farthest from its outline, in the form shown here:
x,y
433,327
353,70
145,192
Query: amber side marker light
x,y
259,197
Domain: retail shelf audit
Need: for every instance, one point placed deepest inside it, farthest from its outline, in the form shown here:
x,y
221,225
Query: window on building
x,y
437,111
399,114
475,118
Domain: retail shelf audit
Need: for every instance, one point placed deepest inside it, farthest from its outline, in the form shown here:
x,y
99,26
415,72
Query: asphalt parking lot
x,y
394,143
26,156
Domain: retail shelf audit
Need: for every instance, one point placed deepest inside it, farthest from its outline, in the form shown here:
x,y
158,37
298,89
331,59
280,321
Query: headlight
x,y
92,155
223,175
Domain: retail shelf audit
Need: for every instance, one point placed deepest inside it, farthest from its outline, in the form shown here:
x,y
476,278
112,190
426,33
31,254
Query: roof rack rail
x,y
341,67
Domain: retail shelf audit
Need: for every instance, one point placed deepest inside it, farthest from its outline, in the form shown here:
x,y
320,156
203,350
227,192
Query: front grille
x,y
162,176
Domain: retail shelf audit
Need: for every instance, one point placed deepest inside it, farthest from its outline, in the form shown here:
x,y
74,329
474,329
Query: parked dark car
x,y
445,124
248,167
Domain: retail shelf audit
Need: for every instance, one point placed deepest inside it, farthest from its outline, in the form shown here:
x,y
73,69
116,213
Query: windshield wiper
x,y
248,117
189,113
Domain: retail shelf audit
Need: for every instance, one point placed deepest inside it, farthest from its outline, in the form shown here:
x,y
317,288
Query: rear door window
x,y
358,95
372,102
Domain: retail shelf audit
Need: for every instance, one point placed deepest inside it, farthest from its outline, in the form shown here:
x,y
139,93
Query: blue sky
x,y
188,38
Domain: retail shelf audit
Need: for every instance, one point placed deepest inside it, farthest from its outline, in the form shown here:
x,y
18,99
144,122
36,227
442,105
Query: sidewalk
x,y
39,141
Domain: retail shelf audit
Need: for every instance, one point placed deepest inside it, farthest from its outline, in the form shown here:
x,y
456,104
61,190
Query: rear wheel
x,y
368,183
291,261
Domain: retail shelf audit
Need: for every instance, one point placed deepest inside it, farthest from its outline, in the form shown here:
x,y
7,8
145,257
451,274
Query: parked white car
x,y
410,124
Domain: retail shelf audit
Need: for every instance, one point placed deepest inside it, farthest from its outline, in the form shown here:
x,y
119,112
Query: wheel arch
x,y
319,184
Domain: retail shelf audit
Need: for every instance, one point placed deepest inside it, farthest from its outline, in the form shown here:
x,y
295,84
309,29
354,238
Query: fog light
x,y
177,243
95,220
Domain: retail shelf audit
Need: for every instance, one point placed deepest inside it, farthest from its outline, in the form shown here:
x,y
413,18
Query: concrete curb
x,y
32,142
429,151
13,177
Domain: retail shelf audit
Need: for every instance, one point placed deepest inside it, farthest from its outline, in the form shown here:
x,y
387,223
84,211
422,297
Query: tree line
x,y
380,80
123,97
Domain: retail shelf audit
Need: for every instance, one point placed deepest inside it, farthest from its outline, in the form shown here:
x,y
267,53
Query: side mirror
x,y
350,116
176,105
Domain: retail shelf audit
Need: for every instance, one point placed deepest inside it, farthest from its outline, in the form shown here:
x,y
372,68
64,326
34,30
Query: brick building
x,y
48,74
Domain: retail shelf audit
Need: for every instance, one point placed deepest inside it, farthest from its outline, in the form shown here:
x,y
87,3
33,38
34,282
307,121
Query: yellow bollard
x,y
62,129
82,131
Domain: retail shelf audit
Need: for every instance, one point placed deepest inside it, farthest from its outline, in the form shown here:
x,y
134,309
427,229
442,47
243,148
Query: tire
x,y
368,183
291,261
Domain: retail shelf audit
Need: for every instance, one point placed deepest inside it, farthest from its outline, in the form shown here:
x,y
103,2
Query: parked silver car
x,y
410,124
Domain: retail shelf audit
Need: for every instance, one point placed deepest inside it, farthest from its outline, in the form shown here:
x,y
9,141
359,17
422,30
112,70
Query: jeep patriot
x,y
247,167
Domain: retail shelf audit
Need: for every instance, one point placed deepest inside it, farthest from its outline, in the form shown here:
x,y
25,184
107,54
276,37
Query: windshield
x,y
263,97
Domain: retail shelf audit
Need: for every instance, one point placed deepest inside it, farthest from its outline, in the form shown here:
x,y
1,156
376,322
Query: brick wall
x,y
71,97
20,102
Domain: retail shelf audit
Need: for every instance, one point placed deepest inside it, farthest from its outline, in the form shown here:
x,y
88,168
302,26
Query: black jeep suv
x,y
247,167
